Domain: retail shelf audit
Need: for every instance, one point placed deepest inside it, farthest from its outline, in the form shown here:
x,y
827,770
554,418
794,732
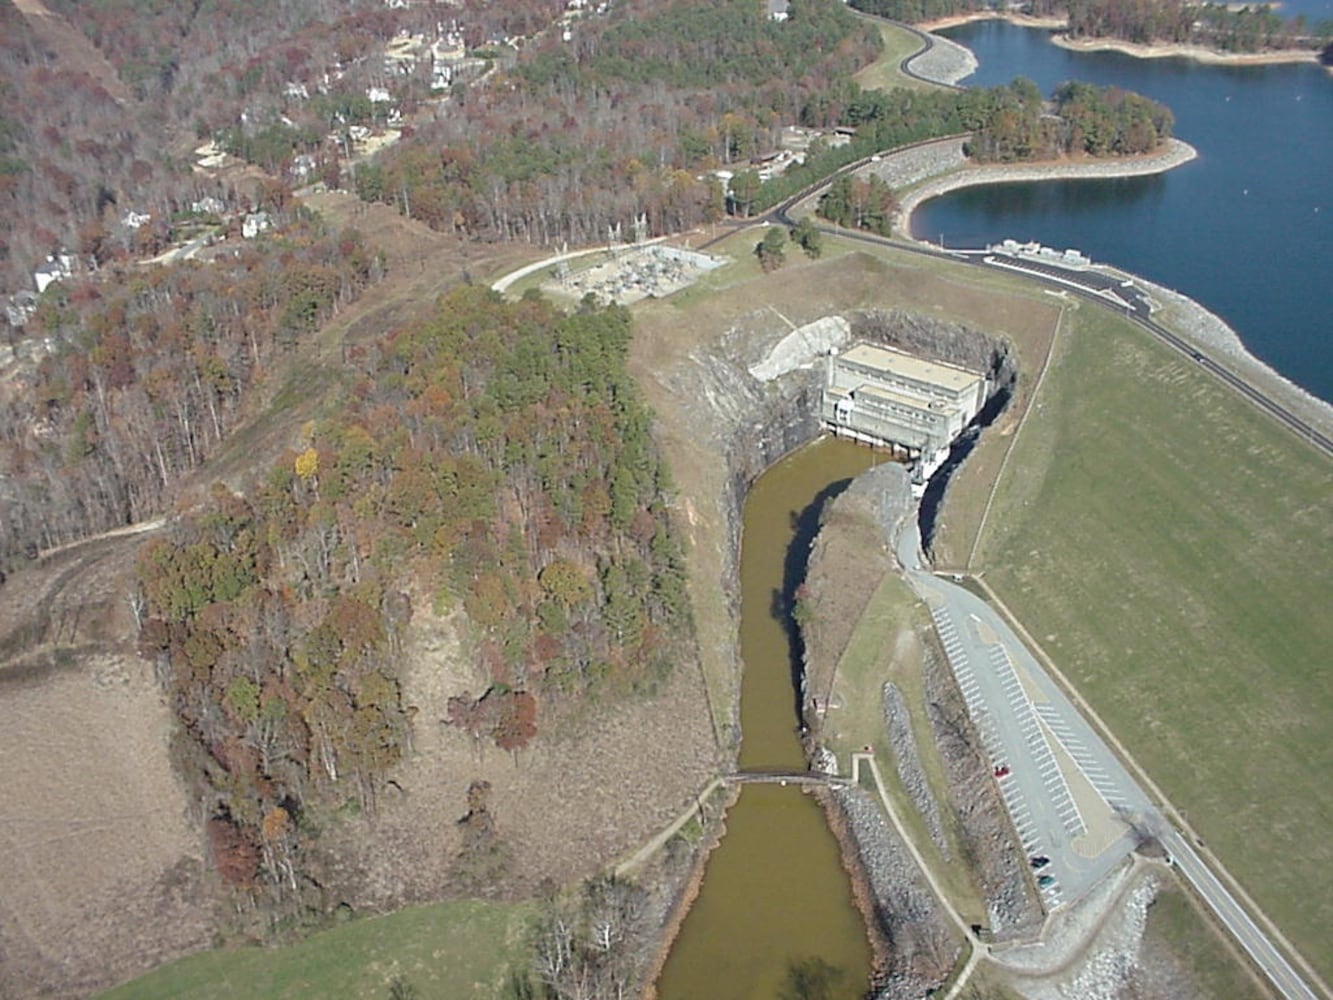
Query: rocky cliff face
x,y
758,389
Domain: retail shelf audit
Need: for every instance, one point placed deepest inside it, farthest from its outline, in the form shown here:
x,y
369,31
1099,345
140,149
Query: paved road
x,y
1086,284
1068,795
1255,942
1027,725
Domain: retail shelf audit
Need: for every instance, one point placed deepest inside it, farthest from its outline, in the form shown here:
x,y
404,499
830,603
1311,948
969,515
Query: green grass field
x,y
464,949
883,73
1211,961
1172,550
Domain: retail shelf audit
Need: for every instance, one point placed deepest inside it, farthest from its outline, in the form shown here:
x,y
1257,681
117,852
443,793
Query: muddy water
x,y
775,898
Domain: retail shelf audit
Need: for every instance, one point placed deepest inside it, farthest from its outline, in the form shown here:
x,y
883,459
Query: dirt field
x,y
103,869
571,804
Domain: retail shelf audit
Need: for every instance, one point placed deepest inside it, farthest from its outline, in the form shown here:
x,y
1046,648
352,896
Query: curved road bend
x,y
1137,312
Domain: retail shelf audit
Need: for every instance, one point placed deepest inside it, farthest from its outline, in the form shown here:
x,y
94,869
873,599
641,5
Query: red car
x,y
1001,770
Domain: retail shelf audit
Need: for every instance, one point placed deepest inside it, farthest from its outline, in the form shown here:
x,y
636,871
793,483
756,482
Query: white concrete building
x,y
884,396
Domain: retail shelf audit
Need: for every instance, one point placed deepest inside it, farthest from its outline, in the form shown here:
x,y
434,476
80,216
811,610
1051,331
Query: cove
x,y
1246,229
775,897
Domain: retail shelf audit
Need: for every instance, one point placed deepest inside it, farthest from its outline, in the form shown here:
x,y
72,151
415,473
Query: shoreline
x,y
1154,50
1177,153
1196,323
1198,53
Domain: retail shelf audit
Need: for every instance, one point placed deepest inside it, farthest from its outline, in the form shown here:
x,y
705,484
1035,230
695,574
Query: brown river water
x,y
775,898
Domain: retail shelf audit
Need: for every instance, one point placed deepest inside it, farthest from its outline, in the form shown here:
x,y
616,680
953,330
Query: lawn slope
x,y
459,949
1172,550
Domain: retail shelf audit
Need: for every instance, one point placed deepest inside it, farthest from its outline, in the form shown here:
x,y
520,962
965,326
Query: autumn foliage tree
x,y
497,456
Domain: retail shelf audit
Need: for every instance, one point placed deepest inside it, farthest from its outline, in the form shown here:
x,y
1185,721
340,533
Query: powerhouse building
x,y
886,397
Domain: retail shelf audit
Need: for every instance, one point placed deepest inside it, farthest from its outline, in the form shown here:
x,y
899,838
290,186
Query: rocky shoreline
x,y
941,167
1175,153
944,62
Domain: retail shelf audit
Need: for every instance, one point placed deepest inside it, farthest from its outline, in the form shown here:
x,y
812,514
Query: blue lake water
x,y
1247,229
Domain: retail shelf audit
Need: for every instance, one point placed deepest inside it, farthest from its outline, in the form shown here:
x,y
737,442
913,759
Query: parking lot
x,y
1068,797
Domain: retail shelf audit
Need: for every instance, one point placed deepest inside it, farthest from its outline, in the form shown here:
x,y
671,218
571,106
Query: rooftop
x,y
886,359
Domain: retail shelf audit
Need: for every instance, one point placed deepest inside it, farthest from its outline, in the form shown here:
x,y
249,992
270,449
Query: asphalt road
x,y
1087,284
1024,728
1068,795
1256,943
1072,872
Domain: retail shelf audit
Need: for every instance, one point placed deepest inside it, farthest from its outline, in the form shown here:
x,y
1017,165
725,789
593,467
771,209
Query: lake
x,y
1246,229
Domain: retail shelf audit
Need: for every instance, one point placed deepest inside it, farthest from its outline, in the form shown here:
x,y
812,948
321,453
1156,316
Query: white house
x,y
58,265
254,224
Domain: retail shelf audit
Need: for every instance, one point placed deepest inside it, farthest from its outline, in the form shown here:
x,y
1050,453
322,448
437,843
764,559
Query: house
x,y
208,205
133,219
254,223
58,265
778,10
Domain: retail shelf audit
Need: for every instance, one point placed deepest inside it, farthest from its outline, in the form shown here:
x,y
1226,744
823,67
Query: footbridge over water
x,y
786,778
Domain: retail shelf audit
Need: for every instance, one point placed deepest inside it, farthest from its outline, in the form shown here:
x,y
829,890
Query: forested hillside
x,y
145,373
1226,27
1009,124
102,105
620,120
495,459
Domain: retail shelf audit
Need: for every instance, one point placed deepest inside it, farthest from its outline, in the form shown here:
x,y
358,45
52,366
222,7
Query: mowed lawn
x,y
462,949
883,73
1172,550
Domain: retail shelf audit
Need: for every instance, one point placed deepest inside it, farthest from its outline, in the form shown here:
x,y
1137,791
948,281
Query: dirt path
x,y
977,949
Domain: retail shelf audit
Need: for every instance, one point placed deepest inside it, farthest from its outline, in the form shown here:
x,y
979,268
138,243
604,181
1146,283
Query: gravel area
x,y
924,948
918,163
1092,950
803,347
945,62
907,761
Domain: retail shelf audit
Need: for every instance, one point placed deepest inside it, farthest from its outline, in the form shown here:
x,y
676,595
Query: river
x,y
775,893
1246,229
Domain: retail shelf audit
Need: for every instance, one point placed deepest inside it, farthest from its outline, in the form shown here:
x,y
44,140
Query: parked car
x,y
1001,770
1045,881
1039,861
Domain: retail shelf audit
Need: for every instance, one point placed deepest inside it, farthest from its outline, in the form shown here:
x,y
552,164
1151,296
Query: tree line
x,y
623,120
494,460
1228,28
1008,124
